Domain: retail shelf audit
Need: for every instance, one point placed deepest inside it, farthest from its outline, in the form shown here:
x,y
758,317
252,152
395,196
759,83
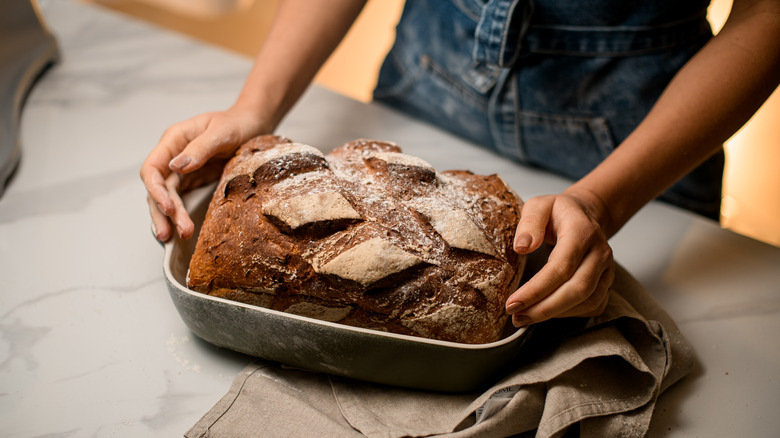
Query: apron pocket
x,y
425,90
568,145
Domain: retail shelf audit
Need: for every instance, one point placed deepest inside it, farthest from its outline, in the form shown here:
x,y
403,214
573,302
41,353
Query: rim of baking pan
x,y
169,249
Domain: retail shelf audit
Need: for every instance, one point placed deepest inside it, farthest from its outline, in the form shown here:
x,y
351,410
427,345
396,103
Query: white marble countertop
x,y
90,343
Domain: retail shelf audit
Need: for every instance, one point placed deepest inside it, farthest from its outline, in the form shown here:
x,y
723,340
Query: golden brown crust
x,y
365,236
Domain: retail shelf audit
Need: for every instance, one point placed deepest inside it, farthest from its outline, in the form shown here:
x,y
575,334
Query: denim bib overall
x,y
554,84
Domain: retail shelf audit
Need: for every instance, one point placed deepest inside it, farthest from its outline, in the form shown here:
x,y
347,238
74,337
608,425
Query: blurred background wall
x,y
751,186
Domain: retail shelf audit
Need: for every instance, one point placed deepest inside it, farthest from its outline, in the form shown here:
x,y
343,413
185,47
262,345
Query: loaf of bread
x,y
365,236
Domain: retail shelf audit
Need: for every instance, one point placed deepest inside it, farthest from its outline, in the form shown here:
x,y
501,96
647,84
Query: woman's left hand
x,y
576,279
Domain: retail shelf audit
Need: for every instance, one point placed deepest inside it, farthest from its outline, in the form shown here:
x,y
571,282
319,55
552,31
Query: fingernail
x,y
159,235
179,162
515,307
520,320
522,241
166,211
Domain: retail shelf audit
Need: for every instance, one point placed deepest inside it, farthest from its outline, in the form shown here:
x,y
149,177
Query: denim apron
x,y
553,84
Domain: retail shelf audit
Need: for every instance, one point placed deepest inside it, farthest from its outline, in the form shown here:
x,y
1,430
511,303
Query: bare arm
x,y
302,37
709,99
192,152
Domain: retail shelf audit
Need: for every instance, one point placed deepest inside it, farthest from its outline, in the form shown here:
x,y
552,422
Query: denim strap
x,y
500,30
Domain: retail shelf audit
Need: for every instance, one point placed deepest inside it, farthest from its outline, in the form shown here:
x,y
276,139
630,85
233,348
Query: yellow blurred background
x,y
751,184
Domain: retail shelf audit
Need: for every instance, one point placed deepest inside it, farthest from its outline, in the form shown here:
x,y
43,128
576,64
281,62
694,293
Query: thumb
x,y
201,149
532,227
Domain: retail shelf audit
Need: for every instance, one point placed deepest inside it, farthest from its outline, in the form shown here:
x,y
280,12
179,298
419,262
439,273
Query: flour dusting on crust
x,y
365,235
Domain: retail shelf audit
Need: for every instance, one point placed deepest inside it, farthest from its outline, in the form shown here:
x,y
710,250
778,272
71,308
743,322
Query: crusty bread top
x,y
366,236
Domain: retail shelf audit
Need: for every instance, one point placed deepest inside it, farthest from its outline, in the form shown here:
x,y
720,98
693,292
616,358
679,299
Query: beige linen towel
x,y
600,379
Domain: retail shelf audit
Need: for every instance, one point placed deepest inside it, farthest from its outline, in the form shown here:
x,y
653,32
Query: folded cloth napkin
x,y
592,378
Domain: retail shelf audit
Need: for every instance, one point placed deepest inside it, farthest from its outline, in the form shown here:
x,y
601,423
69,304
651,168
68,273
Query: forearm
x,y
303,35
708,100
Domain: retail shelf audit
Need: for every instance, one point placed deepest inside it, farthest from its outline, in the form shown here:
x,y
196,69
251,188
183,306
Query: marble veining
x,y
71,196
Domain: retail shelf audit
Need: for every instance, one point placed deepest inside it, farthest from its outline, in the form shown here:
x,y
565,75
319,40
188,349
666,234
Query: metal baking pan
x,y
327,347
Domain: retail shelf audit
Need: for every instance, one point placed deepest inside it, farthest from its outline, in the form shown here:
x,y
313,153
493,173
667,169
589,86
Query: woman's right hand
x,y
194,152
190,154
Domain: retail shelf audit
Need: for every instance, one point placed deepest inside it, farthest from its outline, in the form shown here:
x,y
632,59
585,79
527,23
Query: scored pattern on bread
x,y
369,262
365,236
309,209
457,228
